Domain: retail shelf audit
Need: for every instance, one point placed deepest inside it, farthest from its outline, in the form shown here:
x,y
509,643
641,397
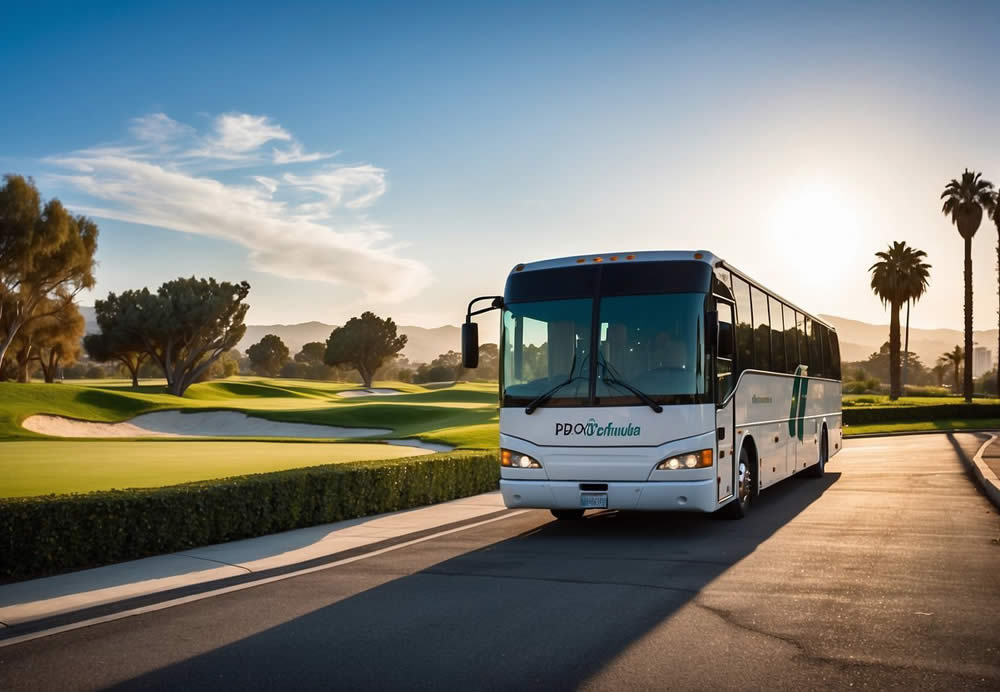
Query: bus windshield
x,y
656,344
653,343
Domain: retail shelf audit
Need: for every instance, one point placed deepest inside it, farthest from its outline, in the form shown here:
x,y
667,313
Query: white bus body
x,y
619,335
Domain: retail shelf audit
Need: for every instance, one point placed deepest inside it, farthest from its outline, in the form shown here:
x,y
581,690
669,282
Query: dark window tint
x,y
816,367
761,330
724,366
777,335
805,337
791,342
744,328
833,355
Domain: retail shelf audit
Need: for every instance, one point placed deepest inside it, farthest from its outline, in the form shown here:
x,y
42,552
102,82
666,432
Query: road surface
x,y
885,574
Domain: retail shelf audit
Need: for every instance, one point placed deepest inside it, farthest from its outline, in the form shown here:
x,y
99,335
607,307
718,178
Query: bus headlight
x,y
516,460
694,460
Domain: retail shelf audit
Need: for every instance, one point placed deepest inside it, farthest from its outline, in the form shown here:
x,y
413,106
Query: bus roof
x,y
658,256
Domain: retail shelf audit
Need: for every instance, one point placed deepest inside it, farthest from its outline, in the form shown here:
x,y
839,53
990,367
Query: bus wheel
x,y
738,508
824,454
567,514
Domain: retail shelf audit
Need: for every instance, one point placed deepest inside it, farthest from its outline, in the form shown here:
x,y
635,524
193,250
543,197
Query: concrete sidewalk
x,y
200,569
986,469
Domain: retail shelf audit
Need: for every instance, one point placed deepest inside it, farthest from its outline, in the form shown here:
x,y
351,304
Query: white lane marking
x,y
240,587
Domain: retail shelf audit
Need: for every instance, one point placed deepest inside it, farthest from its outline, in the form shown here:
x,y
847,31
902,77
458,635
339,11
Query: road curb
x,y
988,480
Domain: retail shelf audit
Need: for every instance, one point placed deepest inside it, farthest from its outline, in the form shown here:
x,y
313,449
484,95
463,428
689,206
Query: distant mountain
x,y
423,345
89,319
858,340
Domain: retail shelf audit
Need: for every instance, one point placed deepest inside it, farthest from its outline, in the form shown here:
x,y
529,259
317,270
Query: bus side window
x,y
777,335
724,366
744,328
805,351
833,346
761,330
818,368
791,343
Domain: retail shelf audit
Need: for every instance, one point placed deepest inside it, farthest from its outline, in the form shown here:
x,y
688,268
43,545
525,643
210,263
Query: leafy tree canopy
x,y
313,352
364,343
46,254
184,327
268,355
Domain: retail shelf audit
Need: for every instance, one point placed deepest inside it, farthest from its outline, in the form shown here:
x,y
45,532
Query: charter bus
x,y
656,381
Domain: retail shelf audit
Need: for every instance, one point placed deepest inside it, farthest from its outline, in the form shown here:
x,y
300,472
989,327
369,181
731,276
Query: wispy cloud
x,y
300,226
295,154
360,186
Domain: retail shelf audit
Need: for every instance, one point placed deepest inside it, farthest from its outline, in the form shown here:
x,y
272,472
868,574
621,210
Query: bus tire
x,y
567,514
745,487
819,468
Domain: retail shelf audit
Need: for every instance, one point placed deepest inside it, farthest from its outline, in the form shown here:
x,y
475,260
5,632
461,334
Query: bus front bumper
x,y
651,496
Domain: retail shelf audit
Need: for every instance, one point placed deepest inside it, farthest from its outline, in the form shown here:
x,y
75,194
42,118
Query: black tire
x,y
567,514
818,469
745,489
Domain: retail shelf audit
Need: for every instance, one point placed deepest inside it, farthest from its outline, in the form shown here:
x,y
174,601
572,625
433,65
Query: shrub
x,y
901,414
912,390
40,535
95,372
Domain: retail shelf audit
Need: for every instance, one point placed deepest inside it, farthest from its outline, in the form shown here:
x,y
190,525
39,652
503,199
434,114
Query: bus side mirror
x,y
726,347
470,345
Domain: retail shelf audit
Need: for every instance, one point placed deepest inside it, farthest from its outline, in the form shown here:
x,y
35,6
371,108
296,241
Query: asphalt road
x,y
883,575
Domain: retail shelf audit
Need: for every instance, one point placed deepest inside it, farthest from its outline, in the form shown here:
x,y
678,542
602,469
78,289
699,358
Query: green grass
x,y
466,411
916,426
464,415
882,400
43,467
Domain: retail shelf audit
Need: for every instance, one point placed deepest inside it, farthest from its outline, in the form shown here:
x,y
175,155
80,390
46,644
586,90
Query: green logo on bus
x,y
594,429
796,415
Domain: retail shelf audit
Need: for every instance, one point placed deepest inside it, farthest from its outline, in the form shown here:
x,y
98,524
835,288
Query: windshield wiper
x,y
612,380
541,399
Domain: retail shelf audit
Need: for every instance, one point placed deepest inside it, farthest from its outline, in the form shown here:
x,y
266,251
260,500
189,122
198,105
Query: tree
x,y
46,254
57,339
313,352
364,343
185,326
114,342
939,371
964,202
899,276
268,355
954,358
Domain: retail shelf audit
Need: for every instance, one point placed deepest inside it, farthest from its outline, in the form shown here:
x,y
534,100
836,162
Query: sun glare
x,y
815,220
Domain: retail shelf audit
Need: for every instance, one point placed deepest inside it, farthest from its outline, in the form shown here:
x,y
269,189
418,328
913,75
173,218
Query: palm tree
x,y
899,276
964,202
993,209
954,358
939,371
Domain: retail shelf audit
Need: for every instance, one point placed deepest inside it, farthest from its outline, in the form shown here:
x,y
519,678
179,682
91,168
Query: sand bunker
x,y
199,424
375,391
420,444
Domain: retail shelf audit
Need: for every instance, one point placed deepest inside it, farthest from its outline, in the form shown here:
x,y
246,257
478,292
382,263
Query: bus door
x,y
725,380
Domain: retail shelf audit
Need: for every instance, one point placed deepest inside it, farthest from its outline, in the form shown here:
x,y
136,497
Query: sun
x,y
814,222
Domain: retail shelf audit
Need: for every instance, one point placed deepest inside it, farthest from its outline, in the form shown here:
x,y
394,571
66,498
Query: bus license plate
x,y
594,500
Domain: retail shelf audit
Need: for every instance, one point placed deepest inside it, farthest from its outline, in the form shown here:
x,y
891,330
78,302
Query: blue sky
x,y
402,158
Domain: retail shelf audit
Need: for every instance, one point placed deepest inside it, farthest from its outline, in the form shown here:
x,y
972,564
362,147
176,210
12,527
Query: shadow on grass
x,y
546,609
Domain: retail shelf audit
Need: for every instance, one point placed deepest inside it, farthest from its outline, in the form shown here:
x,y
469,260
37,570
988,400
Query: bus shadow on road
x,y
548,607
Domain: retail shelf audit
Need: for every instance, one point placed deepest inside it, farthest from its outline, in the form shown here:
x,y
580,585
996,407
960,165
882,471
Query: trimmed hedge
x,y
42,535
900,414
